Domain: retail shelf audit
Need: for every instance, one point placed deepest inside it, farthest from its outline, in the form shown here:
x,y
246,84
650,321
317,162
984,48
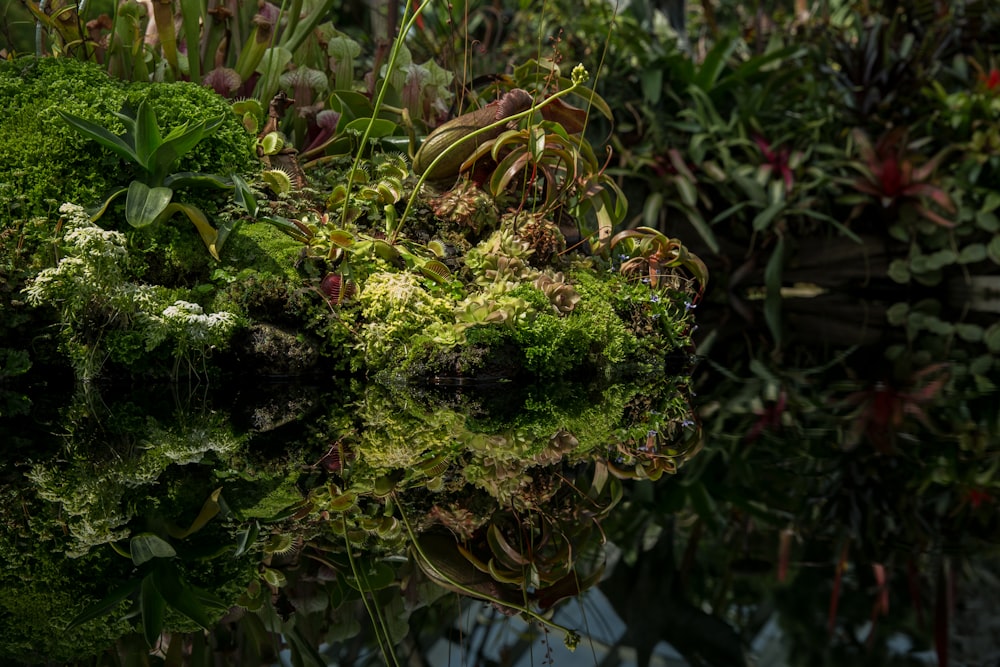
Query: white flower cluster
x,y
90,264
192,327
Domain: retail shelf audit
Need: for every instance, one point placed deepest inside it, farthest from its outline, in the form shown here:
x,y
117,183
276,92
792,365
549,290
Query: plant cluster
x,y
104,314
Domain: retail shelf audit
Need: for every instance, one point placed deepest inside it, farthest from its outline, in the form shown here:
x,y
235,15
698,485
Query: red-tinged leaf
x,y
573,119
677,161
570,585
906,173
934,217
502,549
838,576
784,552
471,557
934,193
867,188
882,594
930,390
924,171
507,169
864,146
913,577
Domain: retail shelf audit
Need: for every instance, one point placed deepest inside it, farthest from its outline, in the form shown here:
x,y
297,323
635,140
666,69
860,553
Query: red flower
x,y
882,409
768,418
992,80
977,497
893,173
777,160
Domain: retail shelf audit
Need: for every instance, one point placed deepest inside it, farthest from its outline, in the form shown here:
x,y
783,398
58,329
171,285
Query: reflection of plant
x,y
881,409
149,200
157,585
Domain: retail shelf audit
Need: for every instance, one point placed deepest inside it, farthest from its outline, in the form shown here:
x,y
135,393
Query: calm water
x,y
831,500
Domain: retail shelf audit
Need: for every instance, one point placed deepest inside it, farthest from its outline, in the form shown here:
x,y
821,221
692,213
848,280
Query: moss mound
x,y
44,162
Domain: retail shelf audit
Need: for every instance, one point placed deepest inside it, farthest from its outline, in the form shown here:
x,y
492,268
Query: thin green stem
x,y
377,107
381,632
524,609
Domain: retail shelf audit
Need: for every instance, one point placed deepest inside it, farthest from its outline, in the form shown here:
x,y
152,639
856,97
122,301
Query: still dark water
x,y
829,499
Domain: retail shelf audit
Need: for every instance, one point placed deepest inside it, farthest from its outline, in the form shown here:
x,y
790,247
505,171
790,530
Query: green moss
x,y
555,344
230,150
47,163
259,245
397,308
45,160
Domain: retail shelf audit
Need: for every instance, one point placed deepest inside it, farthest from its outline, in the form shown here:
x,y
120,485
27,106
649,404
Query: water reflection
x,y
833,505
332,522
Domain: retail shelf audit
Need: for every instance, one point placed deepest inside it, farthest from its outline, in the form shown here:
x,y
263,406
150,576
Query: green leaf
x,y
152,605
193,179
972,253
181,596
713,64
146,546
972,333
896,313
702,227
651,209
145,205
102,136
372,576
271,65
303,650
178,143
96,215
111,601
993,249
507,169
899,271
772,281
751,188
687,190
209,234
208,511
246,538
992,337
272,143
652,84
941,258
988,221
765,217
244,196
147,135
379,127
350,105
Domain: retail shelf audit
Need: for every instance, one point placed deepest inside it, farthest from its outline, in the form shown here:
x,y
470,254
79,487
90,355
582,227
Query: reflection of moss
x,y
123,472
35,607
41,591
397,434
